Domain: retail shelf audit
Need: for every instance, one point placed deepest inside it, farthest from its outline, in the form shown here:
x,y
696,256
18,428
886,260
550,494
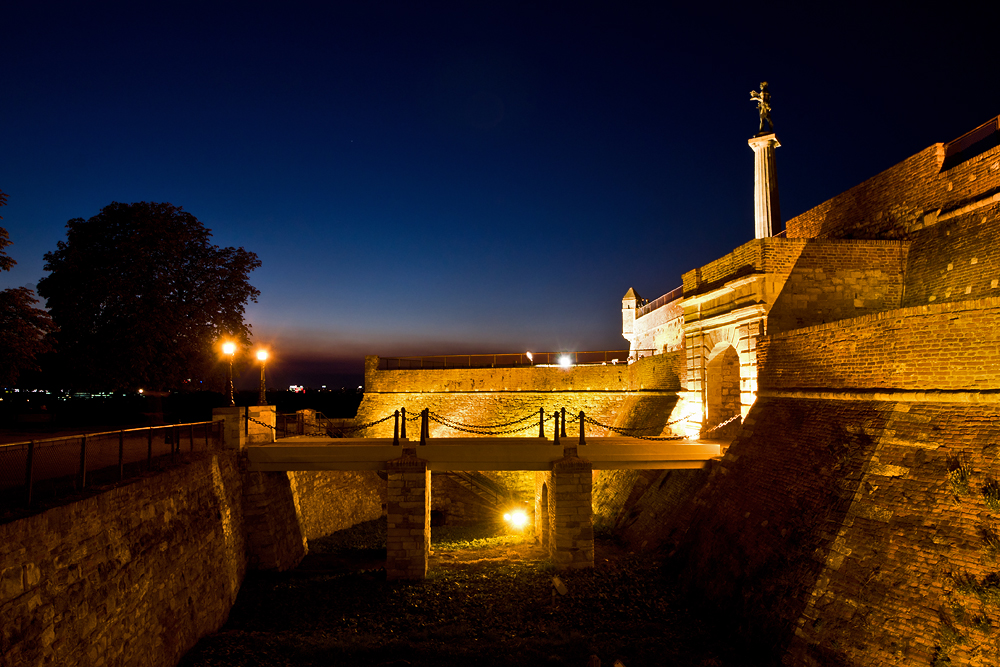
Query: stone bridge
x,y
563,465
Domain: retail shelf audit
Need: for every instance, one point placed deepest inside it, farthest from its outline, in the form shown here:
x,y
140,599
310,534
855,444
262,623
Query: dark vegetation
x,y
489,600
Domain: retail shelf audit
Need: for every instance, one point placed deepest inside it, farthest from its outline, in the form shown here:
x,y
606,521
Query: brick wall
x,y
952,346
831,533
658,372
893,204
835,280
134,575
955,259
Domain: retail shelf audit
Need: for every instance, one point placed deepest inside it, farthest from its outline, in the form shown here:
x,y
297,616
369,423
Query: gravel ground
x,y
489,600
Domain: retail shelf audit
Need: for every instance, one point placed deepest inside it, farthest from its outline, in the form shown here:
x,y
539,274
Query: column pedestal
x,y
571,524
408,506
767,212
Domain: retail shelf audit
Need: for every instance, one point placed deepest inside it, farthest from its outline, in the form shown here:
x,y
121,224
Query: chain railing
x,y
49,468
535,419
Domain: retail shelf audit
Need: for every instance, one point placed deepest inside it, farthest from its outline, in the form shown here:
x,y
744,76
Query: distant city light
x,y
297,389
565,361
140,391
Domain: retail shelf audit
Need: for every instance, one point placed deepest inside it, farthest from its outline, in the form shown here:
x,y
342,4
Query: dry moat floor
x,y
488,601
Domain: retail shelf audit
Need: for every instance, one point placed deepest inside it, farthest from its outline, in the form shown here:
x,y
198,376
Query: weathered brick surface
x,y
132,576
831,533
953,346
333,500
895,203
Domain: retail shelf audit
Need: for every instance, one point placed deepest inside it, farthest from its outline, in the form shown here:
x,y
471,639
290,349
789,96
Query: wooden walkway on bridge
x,y
481,453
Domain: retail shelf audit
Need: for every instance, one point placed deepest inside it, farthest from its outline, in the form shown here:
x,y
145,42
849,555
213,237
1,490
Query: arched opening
x,y
542,519
722,396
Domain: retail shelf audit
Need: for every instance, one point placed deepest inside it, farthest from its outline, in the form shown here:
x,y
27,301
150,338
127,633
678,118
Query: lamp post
x,y
229,349
262,357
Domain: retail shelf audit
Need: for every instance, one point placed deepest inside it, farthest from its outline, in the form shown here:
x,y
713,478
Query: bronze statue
x,y
763,99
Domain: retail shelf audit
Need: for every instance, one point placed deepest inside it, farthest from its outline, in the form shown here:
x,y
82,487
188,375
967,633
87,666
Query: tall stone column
x,y
408,506
767,212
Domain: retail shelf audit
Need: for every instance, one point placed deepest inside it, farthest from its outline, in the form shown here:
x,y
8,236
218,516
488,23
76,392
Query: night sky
x,y
427,178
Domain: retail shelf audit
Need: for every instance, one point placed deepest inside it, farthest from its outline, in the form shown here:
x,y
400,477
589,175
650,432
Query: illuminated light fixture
x,y
530,358
140,391
517,519
565,361
262,358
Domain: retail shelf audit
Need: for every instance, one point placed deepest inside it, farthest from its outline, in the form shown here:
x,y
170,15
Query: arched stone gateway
x,y
722,388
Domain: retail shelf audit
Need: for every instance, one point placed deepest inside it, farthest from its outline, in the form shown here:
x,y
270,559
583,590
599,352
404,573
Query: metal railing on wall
x,y
45,469
500,360
669,297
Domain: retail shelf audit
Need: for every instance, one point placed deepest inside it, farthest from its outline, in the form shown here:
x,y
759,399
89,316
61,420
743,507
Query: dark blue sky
x,y
423,178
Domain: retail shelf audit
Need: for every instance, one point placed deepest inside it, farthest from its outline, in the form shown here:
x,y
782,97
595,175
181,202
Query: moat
x,y
489,599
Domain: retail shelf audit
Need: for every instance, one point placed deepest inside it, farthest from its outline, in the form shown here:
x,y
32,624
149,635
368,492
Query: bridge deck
x,y
614,453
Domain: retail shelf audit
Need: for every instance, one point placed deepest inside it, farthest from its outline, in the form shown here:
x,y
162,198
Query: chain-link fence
x,y
46,469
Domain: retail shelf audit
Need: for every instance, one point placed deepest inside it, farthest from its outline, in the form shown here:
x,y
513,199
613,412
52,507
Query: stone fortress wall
x,y
138,573
854,519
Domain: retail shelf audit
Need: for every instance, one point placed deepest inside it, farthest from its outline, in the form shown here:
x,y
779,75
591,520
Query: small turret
x,y
630,302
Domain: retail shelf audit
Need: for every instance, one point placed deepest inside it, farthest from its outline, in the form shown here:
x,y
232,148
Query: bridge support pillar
x,y
571,525
408,505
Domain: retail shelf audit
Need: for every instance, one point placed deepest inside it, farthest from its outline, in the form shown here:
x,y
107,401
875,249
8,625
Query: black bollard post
x,y
424,425
555,429
581,428
541,422
395,430
562,427
402,430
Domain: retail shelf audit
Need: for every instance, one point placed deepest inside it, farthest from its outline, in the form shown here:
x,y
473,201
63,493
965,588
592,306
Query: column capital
x,y
763,140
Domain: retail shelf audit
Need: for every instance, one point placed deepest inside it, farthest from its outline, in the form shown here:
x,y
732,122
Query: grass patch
x,y
959,474
479,536
991,494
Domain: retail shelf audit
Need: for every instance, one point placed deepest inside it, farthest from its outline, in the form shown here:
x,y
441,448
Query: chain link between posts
x,y
620,431
498,429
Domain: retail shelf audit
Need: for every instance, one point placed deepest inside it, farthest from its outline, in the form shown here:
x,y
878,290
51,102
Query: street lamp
x,y
229,349
262,357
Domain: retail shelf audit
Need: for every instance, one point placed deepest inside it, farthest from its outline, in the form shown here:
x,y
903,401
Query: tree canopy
x,y
142,298
24,329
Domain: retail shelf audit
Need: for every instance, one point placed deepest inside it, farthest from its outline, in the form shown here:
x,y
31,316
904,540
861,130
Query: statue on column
x,y
763,99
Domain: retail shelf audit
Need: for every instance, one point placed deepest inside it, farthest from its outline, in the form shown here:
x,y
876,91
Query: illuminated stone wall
x,y
648,388
902,199
955,260
134,575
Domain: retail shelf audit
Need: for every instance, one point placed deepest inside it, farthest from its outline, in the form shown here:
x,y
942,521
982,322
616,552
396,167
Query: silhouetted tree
x,y
24,329
142,298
